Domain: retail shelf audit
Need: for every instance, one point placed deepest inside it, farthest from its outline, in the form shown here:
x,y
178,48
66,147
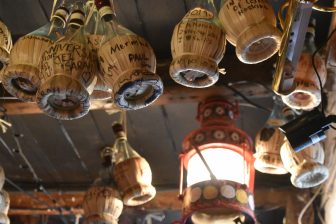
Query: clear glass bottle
x,y
123,150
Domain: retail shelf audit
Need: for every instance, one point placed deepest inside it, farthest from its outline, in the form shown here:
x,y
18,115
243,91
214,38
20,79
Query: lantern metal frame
x,y
217,131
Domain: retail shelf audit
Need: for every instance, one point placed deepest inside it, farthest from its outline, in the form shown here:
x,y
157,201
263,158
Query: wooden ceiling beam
x,y
250,80
71,202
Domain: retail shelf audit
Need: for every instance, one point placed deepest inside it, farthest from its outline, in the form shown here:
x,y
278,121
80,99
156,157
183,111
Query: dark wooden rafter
x,y
71,202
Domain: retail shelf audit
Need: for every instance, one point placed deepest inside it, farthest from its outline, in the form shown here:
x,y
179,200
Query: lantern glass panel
x,y
225,164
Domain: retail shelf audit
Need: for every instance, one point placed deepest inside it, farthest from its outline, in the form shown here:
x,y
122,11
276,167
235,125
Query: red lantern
x,y
218,160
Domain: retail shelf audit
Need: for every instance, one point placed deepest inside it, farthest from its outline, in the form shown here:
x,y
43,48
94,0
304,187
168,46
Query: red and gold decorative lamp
x,y
218,159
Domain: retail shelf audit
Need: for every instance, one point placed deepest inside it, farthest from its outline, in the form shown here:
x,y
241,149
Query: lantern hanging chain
x,y
73,146
212,176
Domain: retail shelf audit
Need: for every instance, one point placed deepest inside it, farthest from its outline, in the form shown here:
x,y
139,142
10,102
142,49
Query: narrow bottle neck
x,y
309,43
204,4
106,10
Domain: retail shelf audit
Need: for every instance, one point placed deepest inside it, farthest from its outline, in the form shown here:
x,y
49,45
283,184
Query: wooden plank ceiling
x,y
155,132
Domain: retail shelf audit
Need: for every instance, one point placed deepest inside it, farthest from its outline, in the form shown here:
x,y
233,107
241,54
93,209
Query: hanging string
x,y
91,7
308,204
123,120
73,146
53,9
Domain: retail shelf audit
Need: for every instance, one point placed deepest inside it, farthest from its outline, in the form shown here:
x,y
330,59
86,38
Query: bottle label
x,y
242,7
199,13
68,58
124,53
199,37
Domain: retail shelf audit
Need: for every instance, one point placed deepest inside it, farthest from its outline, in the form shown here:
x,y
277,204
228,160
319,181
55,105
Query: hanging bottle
x,y
270,139
306,166
132,172
95,33
4,200
307,93
198,45
102,202
6,45
127,63
21,78
251,27
67,72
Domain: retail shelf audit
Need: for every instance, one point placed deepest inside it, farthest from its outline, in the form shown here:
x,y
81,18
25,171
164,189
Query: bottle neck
x,y
204,4
276,118
106,10
309,43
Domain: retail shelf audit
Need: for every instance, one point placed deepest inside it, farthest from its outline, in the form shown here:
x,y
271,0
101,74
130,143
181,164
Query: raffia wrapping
x,y
134,180
5,44
66,73
21,78
306,167
100,91
197,45
251,27
102,205
307,94
4,202
268,143
128,65
4,219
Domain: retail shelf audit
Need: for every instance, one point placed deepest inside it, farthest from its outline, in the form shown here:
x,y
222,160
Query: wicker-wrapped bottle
x,y
307,93
6,45
4,219
270,139
197,45
21,78
102,203
306,167
132,172
67,72
127,62
94,32
4,202
251,27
